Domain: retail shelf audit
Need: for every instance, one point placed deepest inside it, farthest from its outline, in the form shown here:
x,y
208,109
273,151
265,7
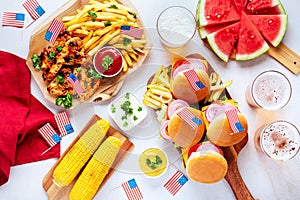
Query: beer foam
x,y
271,90
280,140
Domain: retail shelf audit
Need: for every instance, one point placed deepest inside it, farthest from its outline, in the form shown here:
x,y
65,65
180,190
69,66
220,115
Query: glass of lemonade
x,y
270,90
279,140
176,26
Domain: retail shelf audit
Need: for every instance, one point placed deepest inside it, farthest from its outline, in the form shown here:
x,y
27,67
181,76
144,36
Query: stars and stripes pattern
x,y
175,183
76,84
132,190
132,31
194,80
233,119
64,124
13,19
34,9
49,134
189,118
53,30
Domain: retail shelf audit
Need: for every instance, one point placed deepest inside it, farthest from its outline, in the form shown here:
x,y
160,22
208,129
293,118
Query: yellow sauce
x,y
153,162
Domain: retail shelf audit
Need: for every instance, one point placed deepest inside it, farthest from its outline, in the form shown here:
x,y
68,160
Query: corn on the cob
x,y
78,155
95,171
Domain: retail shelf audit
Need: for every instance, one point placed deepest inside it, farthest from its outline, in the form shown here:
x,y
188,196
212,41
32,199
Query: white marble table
x,y
265,178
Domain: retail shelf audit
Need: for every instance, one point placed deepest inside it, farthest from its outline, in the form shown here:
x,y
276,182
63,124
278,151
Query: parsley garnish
x,y
59,48
107,23
36,61
114,6
107,61
93,15
128,110
113,108
60,79
65,100
134,15
125,124
51,55
93,74
135,118
155,164
140,108
126,41
79,69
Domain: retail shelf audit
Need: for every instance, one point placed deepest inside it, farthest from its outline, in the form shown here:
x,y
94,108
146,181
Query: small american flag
x,y
49,134
34,8
63,123
132,31
175,183
76,84
53,30
13,19
189,118
132,190
194,80
232,116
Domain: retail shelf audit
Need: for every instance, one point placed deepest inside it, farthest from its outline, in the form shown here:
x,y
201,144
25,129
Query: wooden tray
x,y
54,192
109,86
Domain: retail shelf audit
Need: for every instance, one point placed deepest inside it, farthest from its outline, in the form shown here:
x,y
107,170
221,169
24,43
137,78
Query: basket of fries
x,y
88,26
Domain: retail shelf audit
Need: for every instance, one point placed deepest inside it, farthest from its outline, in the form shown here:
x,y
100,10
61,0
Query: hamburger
x,y
186,127
225,125
190,80
206,163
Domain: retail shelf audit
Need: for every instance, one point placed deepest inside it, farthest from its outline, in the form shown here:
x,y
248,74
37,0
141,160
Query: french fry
x,y
158,87
91,41
127,58
125,66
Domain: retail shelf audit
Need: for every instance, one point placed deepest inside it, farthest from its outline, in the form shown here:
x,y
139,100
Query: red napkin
x,y
21,115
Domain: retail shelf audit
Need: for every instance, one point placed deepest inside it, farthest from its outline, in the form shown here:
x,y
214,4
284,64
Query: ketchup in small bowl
x,y
108,61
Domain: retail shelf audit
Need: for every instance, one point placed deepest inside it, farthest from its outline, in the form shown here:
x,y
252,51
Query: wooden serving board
x,y
109,86
56,193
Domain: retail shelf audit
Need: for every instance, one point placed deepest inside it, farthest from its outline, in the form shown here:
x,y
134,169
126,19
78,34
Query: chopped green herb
x,y
60,79
114,6
126,41
65,100
71,44
36,61
93,74
86,83
51,55
113,108
107,23
125,124
93,15
140,108
107,61
134,15
156,164
71,57
135,118
128,110
79,69
127,95
59,48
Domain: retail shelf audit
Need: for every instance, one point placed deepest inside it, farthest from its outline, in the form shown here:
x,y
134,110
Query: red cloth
x,y
21,115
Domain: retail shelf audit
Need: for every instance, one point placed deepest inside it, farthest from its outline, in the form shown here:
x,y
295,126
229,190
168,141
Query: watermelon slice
x,y
223,41
251,44
272,27
205,30
277,10
213,12
240,5
254,5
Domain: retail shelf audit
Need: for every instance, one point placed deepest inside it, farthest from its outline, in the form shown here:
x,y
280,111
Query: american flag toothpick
x,y
49,134
76,84
189,118
175,183
53,30
34,9
13,19
194,80
64,124
132,190
132,31
232,116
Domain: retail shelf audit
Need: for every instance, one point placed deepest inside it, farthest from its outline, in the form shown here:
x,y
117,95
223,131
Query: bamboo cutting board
x,y
56,193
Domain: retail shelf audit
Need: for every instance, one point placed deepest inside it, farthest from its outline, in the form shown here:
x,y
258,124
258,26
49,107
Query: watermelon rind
x,y
264,31
257,53
215,48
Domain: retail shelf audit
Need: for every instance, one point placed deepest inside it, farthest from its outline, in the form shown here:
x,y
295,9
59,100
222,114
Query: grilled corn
x,y
78,155
95,171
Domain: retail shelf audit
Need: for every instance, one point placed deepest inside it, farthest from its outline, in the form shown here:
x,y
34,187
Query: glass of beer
x,y
279,140
176,26
270,90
